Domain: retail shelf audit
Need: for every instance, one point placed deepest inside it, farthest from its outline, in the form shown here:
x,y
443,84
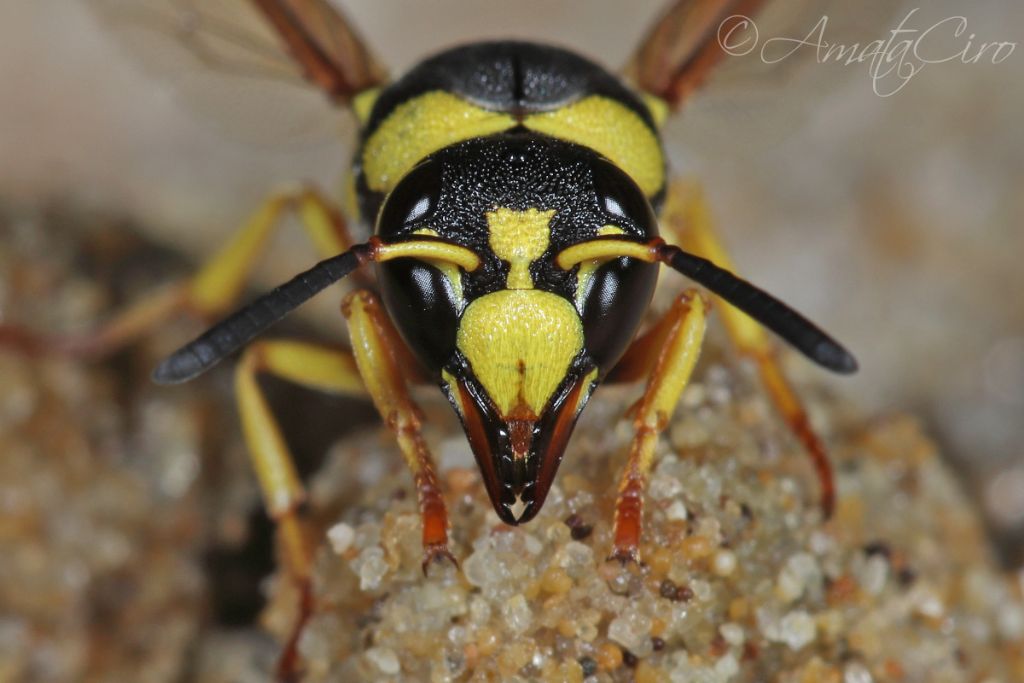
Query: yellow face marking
x,y
519,238
420,127
611,129
588,268
450,271
520,343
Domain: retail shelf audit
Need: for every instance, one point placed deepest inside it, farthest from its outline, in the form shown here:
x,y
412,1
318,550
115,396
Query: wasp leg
x,y
688,216
668,353
377,352
212,290
319,367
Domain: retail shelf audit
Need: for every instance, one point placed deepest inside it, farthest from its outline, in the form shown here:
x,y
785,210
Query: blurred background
x,y
897,222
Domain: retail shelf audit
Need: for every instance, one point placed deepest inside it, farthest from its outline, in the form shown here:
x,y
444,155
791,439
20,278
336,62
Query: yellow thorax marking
x,y
520,344
429,122
418,128
362,104
519,238
657,107
612,130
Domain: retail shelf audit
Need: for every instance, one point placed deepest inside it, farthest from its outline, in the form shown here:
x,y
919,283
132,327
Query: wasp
x,y
520,208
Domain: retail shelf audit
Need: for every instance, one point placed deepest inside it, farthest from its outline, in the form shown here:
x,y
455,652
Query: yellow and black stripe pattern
x,y
488,88
514,152
519,341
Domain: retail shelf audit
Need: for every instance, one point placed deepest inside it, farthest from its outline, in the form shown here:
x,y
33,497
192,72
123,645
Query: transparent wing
x,y
226,62
771,74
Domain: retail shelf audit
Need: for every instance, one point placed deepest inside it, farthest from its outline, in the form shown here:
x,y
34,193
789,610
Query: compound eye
x,y
413,202
623,202
614,300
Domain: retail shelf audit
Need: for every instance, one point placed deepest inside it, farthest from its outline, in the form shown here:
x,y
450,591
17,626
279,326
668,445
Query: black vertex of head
x,y
235,331
800,332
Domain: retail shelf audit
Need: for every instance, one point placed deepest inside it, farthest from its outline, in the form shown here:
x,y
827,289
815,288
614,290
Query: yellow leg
x,y
315,366
214,288
219,283
377,353
319,367
688,217
671,362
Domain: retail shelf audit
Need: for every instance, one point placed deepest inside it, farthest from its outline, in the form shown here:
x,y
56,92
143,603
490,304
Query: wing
x,y
327,47
679,52
757,91
260,68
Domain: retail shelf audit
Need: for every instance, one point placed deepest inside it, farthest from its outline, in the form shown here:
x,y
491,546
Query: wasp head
x,y
519,343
